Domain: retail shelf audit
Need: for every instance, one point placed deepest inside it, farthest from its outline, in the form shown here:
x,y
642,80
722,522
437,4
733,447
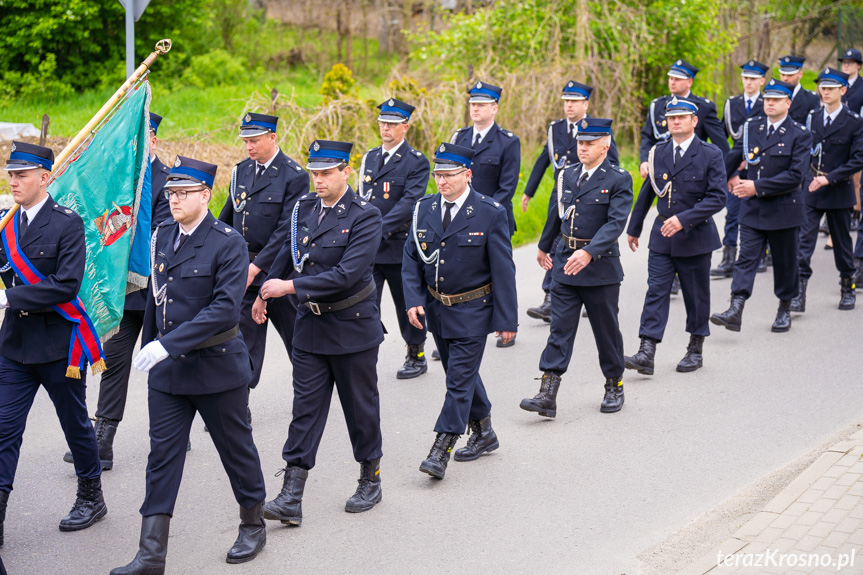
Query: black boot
x,y
643,360
732,318
482,440
105,430
368,491
4,499
692,360
152,548
675,285
542,312
89,506
415,363
798,304
858,277
613,399
252,536
435,463
782,323
287,507
435,355
725,269
544,402
848,298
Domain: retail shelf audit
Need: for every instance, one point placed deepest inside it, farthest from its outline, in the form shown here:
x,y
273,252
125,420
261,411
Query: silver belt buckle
x,y
445,299
22,313
313,305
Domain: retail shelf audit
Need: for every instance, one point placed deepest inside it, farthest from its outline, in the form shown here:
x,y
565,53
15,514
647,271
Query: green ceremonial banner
x,y
103,184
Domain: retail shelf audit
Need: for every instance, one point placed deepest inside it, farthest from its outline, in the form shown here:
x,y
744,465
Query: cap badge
x,y
248,118
316,146
674,101
478,85
13,147
442,149
391,102
177,163
848,53
569,85
826,70
584,123
751,62
679,62
787,59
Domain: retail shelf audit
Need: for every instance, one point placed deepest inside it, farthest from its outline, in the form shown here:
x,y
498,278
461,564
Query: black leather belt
x,y
661,218
252,256
318,308
217,339
22,313
471,295
574,243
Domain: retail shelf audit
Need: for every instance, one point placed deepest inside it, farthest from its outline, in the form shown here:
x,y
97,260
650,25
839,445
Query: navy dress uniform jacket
x,y
393,190
602,206
204,281
708,126
54,244
565,150
853,97
735,115
698,186
495,167
341,254
475,250
778,200
841,158
803,102
263,222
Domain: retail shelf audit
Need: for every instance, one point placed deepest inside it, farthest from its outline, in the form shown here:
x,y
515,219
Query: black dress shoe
x,y
510,343
613,399
436,355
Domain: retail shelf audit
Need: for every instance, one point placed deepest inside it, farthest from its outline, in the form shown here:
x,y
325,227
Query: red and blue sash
x,y
85,344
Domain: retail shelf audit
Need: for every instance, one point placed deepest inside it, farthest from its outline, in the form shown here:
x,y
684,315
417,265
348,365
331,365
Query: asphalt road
x,y
584,493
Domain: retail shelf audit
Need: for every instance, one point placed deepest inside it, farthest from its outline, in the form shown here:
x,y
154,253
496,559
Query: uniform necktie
x,y
476,141
324,212
828,122
180,241
770,131
23,227
258,173
571,132
581,179
678,153
447,217
384,157
748,106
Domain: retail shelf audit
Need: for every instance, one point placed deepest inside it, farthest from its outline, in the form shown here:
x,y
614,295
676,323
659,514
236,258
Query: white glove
x,y
3,301
150,355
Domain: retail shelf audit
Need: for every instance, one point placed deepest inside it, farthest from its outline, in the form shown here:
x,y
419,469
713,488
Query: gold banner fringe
x,y
73,372
98,367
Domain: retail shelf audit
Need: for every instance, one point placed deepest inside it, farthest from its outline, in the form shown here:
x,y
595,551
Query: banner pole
x,y
162,47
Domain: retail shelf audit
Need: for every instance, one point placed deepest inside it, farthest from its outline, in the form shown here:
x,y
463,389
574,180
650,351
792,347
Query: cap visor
x,y
775,95
789,70
679,113
320,164
252,132
678,75
392,119
448,167
20,167
184,183
830,84
590,137
482,100
748,74
572,97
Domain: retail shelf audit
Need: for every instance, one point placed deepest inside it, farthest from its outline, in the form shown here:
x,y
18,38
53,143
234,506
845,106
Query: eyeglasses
x,y
181,194
446,176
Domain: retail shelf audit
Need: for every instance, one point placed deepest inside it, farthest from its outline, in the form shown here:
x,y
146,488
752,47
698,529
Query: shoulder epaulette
x,y
507,133
64,210
223,227
491,201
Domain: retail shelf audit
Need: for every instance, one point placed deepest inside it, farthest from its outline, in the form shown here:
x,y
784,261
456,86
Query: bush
x,y
215,68
338,82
